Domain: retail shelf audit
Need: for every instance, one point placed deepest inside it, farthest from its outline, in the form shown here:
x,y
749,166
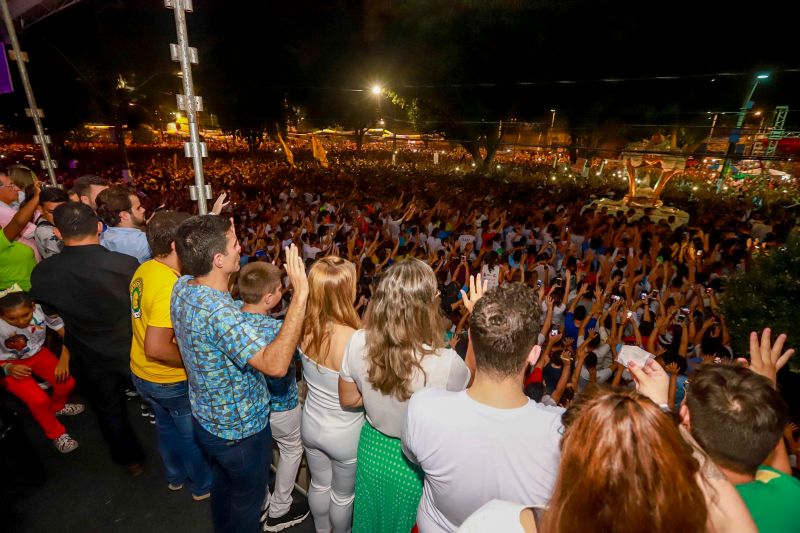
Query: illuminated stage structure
x,y
649,166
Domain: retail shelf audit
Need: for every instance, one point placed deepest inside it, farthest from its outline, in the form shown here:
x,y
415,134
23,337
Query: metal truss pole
x,y
190,103
32,111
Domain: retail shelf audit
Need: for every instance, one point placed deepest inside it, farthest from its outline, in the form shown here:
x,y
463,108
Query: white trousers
x,y
285,427
332,491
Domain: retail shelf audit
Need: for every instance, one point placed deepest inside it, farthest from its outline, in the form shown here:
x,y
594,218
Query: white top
x,y
494,517
490,276
443,370
22,343
465,239
473,453
322,401
310,252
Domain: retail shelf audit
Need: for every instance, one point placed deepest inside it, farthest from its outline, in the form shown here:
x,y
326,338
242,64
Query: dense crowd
x,y
473,353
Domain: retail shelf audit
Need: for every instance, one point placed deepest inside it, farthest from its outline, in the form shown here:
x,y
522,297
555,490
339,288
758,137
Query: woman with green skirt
x,y
400,351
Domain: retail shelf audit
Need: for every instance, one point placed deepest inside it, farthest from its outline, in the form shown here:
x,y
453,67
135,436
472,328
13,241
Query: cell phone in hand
x,y
685,311
554,332
643,296
539,283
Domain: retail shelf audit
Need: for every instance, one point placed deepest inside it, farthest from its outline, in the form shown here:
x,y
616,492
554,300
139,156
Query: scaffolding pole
x,y
32,111
188,102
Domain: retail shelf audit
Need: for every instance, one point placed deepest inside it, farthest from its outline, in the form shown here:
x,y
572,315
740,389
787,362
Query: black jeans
x,y
104,386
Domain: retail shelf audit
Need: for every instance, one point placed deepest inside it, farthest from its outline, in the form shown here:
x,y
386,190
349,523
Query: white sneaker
x,y
65,443
71,409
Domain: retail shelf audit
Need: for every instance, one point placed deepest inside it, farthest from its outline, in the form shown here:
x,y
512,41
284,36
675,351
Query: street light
x,y
736,133
553,120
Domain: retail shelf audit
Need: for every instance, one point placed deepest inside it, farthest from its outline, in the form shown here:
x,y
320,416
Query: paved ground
x,y
85,492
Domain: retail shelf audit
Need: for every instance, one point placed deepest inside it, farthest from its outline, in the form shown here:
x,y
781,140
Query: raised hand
x,y
583,289
651,381
220,204
767,358
296,270
476,289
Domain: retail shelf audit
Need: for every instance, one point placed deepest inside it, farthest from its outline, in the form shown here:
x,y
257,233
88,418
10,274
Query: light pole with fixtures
x,y
736,133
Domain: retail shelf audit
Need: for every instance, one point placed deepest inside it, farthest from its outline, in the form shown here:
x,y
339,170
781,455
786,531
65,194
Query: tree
x,y
766,295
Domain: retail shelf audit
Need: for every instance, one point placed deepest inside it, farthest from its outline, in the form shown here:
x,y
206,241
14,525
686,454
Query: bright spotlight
x,y
377,89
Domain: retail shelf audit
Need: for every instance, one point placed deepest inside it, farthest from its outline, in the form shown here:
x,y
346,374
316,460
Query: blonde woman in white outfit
x,y
330,434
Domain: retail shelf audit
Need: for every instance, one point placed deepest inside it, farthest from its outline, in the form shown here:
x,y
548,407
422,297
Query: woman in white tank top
x,y
330,434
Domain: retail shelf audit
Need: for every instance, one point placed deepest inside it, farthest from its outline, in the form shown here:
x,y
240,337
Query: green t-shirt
x,y
774,501
16,263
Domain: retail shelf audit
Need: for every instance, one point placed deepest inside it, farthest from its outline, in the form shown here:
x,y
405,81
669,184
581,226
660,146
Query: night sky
x,y
487,59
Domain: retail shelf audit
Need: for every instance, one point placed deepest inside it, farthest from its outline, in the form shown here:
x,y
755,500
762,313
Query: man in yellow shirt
x,y
156,365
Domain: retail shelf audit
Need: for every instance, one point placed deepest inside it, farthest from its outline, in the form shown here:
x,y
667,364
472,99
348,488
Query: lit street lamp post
x,y
736,133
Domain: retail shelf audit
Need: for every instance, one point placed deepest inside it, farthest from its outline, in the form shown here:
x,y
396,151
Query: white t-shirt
x,y
473,453
434,244
490,276
16,343
310,252
445,370
558,312
546,273
496,516
465,239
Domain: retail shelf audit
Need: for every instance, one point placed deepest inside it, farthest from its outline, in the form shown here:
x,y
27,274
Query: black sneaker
x,y
298,512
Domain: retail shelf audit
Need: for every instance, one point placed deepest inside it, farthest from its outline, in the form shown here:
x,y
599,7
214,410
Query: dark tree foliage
x,y
767,295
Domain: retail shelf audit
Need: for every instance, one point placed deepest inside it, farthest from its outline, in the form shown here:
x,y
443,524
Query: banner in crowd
x,y
319,152
287,151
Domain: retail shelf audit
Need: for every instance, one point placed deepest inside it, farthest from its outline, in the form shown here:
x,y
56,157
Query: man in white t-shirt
x,y
490,441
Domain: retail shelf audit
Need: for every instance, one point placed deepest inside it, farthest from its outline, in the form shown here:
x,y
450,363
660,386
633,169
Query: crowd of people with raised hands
x,y
470,362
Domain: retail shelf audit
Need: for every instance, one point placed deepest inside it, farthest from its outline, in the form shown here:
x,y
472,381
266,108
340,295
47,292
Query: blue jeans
x,y
239,470
179,449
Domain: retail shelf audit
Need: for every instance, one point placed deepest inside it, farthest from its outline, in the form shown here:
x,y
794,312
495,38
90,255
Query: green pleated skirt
x,y
388,486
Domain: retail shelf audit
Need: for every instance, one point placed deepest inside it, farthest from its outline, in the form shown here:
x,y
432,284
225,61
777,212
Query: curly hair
x,y
405,324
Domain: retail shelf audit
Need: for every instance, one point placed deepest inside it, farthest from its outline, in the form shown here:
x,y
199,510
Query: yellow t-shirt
x,y
150,290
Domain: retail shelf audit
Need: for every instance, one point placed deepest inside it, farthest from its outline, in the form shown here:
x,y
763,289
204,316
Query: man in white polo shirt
x,y
490,441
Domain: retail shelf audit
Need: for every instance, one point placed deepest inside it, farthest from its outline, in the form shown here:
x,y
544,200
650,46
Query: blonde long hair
x,y
331,291
404,324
